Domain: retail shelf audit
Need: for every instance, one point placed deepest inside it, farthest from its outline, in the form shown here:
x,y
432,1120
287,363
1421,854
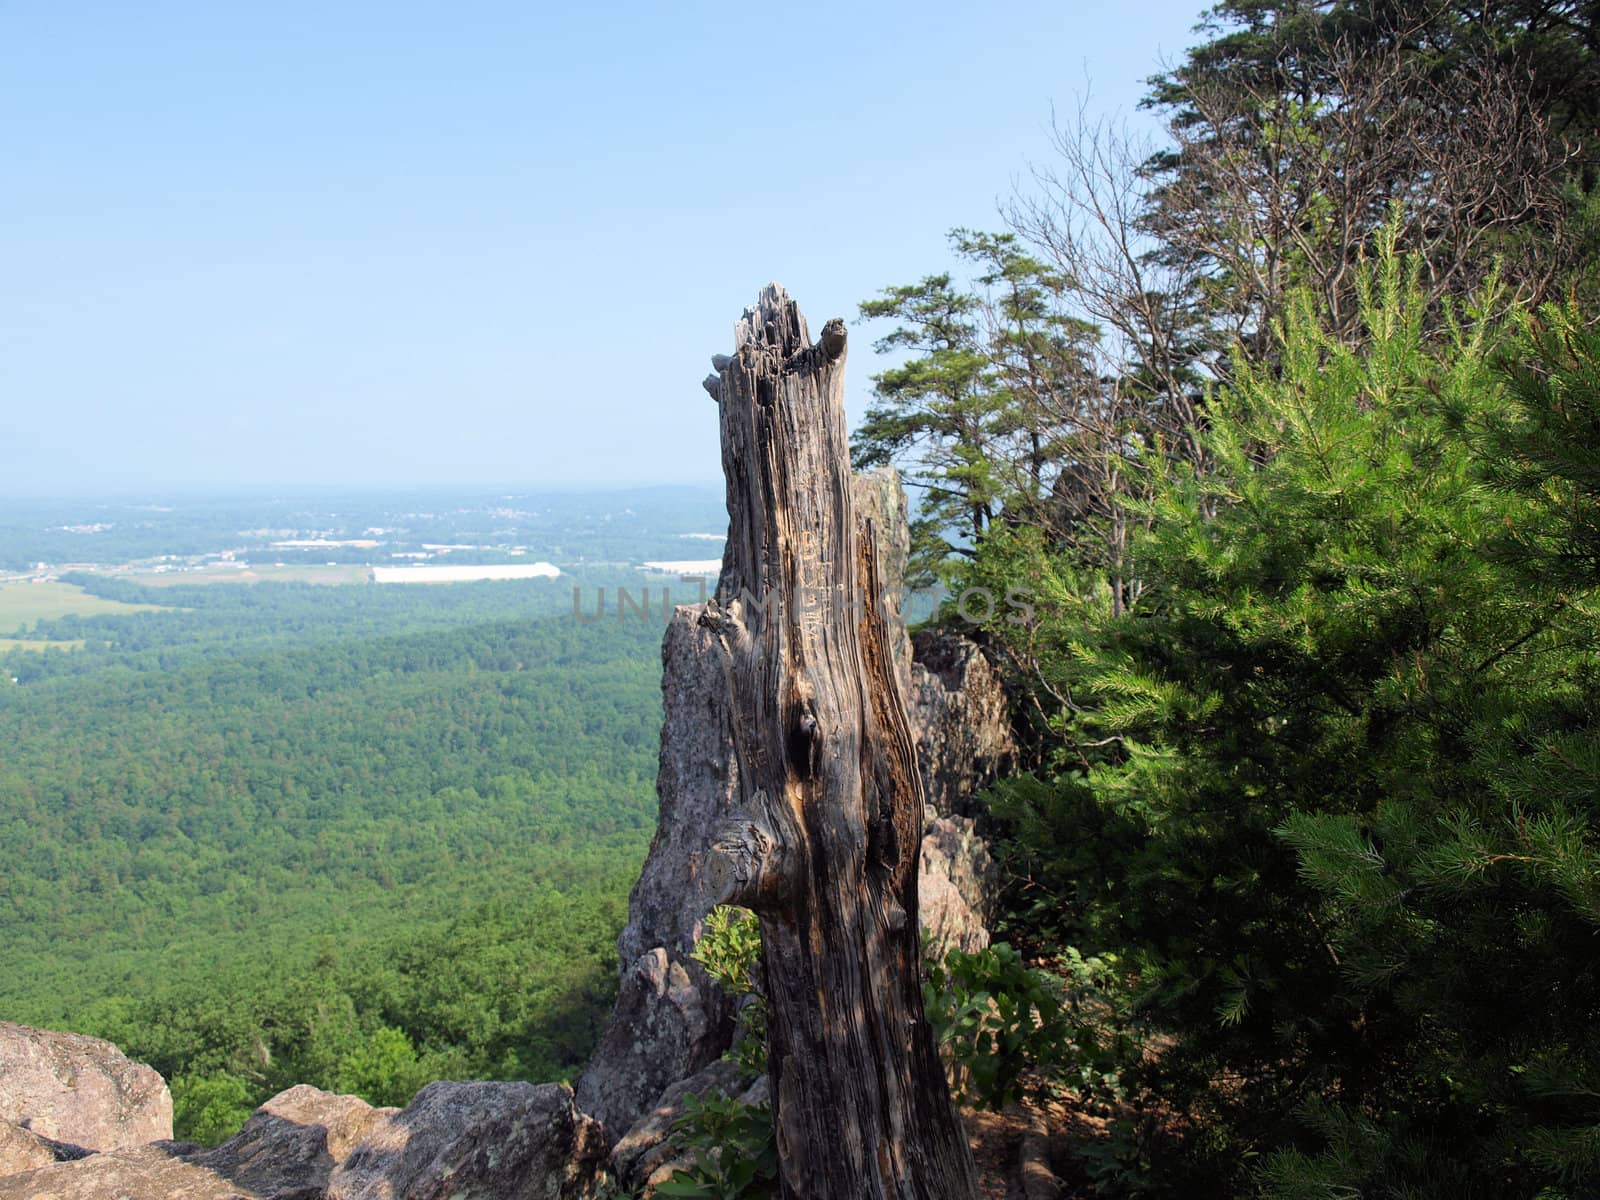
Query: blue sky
x,y
351,243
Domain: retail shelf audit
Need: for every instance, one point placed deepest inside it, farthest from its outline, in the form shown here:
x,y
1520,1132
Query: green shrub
x,y
735,1152
995,1018
730,951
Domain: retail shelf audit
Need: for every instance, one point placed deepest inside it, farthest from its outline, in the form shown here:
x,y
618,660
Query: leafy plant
x,y
730,951
735,1152
998,1020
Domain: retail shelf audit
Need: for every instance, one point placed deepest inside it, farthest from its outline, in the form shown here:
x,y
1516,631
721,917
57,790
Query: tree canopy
x,y
1286,428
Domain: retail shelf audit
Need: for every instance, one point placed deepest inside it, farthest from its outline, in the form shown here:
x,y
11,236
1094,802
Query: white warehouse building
x,y
538,570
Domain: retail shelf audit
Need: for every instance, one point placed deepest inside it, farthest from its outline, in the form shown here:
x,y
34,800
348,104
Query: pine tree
x,y
934,416
1340,807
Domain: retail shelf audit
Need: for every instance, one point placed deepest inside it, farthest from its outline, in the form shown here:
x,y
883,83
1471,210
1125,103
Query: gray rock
x,y
644,1149
959,715
671,1020
80,1090
962,718
286,1151
958,891
880,499
647,1158
962,721
146,1173
666,1026
292,1142
20,1146
697,787
23,1151
477,1141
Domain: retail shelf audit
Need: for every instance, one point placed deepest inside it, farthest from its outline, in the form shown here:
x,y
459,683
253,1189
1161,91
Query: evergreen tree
x,y
1331,786
934,415
1301,128
999,416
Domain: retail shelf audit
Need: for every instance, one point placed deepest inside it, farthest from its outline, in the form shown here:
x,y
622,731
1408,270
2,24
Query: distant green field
x,y
342,573
27,644
21,604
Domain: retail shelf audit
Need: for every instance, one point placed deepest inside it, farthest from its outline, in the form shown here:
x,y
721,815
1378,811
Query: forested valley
x,y
355,836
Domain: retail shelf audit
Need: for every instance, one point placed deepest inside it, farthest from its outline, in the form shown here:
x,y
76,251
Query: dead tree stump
x,y
827,853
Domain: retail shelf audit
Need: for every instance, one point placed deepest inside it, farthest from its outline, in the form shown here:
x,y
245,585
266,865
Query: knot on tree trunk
x,y
833,340
747,863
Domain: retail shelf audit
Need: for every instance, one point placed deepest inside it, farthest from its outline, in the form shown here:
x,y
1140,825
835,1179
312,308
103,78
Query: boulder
x,y
292,1142
667,1024
697,785
962,720
286,1151
958,892
80,1090
647,1159
759,1092
477,1141
880,500
24,1151
671,1018
147,1173
697,789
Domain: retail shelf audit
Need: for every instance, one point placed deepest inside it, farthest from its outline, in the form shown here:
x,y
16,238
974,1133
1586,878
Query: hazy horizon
x,y
90,492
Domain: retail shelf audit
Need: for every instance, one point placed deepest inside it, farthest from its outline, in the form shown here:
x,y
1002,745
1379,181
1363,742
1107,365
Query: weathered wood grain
x,y
827,851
